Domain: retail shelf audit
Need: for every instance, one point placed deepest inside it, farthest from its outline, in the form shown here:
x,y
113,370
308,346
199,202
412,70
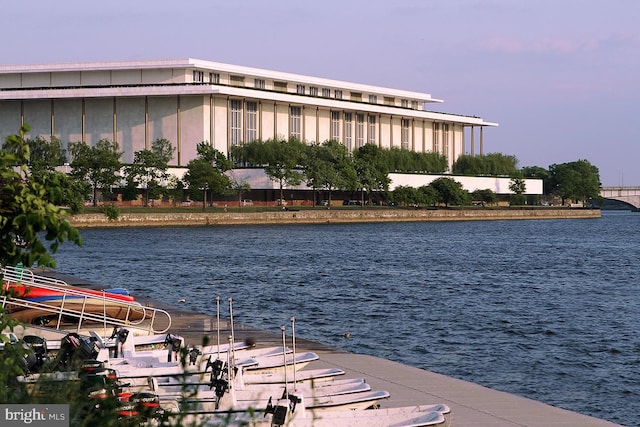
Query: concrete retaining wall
x,y
325,216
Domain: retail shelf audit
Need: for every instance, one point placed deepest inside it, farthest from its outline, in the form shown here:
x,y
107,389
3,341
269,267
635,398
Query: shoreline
x,y
152,219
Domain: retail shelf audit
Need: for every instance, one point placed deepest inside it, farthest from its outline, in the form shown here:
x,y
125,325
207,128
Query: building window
x,y
404,103
280,86
388,100
295,129
214,78
258,83
236,80
372,129
301,89
348,138
373,99
436,137
337,94
313,91
335,125
326,93
405,134
251,122
198,76
356,96
235,122
415,105
359,130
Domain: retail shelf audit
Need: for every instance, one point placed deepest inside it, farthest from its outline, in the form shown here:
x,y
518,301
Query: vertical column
x,y
178,120
53,121
303,124
211,118
115,122
84,122
260,120
146,122
317,124
452,159
473,148
275,120
228,125
413,135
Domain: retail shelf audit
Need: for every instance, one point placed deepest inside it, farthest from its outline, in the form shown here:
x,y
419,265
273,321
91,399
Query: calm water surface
x,y
544,309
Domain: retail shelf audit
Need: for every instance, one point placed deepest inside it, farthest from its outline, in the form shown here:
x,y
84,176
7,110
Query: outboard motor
x,y
278,412
39,347
193,355
91,367
23,353
74,348
281,410
174,343
147,404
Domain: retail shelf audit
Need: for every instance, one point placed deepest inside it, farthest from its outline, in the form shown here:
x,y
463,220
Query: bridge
x,y
628,195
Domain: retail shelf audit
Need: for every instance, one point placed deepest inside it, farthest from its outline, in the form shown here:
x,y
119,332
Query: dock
x,y
472,405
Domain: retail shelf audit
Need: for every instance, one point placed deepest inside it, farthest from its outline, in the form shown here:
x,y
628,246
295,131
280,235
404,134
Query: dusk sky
x,y
559,76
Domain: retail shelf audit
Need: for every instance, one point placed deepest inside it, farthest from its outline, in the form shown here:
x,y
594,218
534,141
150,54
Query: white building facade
x,y
189,101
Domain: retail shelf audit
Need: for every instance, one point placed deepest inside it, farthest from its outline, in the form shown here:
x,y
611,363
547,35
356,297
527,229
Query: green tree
x,y
371,169
517,186
492,164
283,162
239,187
450,191
45,156
401,160
328,166
579,181
98,165
149,168
27,219
252,154
206,173
406,195
44,159
429,195
486,195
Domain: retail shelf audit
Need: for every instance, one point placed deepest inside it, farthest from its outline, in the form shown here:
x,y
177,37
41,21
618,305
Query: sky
x,y
559,76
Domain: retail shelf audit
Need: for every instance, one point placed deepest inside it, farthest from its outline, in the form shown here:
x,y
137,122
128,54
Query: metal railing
x,y
79,305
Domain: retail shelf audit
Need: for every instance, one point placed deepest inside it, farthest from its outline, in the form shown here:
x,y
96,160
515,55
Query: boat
x,y
39,300
303,376
53,292
297,415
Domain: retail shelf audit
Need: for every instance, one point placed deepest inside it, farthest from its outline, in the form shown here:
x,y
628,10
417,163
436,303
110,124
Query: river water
x,y
546,309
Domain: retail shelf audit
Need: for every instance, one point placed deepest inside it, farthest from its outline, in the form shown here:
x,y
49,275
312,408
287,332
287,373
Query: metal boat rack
x,y
152,321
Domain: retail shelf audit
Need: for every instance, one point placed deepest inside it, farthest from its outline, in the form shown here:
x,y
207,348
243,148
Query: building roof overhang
x,y
217,67
262,95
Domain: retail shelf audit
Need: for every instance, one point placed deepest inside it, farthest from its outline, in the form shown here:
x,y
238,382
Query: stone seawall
x,y
152,219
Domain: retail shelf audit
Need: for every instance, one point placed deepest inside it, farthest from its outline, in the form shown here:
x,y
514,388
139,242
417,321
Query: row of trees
x,y
327,166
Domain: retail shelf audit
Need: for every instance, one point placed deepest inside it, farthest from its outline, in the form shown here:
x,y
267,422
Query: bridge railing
x,y
619,191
